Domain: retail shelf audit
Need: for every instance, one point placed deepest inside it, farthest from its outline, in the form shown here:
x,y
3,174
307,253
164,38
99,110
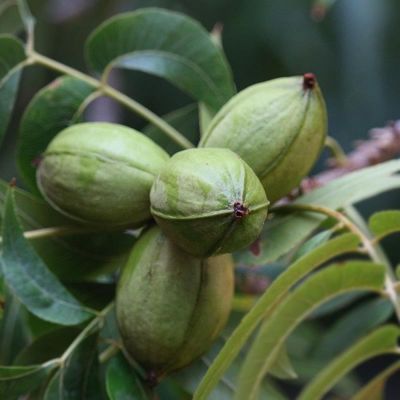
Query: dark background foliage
x,y
353,49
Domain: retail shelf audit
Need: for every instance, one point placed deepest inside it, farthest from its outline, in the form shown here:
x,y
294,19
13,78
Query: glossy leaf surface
x,y
30,280
165,44
12,54
52,109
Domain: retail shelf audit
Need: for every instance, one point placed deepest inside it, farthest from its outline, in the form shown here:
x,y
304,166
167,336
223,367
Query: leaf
x,y
52,109
273,295
320,287
33,212
72,258
286,231
19,380
166,44
205,117
381,341
48,346
167,389
374,390
282,367
30,280
79,378
383,223
10,20
14,334
121,381
312,243
189,377
300,345
12,54
346,330
184,120
338,303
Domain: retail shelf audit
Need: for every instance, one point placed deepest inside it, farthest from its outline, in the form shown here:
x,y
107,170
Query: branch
x,y
383,145
139,109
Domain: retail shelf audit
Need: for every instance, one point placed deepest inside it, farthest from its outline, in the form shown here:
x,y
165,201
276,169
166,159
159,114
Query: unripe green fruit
x,y
171,306
209,201
278,127
101,173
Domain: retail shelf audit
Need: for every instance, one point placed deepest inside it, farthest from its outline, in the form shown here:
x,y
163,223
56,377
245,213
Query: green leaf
x,y
52,109
282,367
382,341
320,287
167,389
121,381
79,378
48,346
10,20
20,380
312,243
300,346
14,333
72,258
33,212
12,54
286,231
356,322
184,120
383,223
338,303
374,390
205,117
30,280
189,377
265,305
166,44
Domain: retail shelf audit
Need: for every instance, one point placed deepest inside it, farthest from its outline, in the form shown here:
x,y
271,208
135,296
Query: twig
x,y
89,329
56,231
383,145
109,352
170,131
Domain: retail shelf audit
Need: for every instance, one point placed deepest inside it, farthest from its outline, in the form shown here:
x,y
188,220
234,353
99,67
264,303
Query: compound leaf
x,y
348,328
381,341
166,44
70,258
79,377
264,306
19,380
320,287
